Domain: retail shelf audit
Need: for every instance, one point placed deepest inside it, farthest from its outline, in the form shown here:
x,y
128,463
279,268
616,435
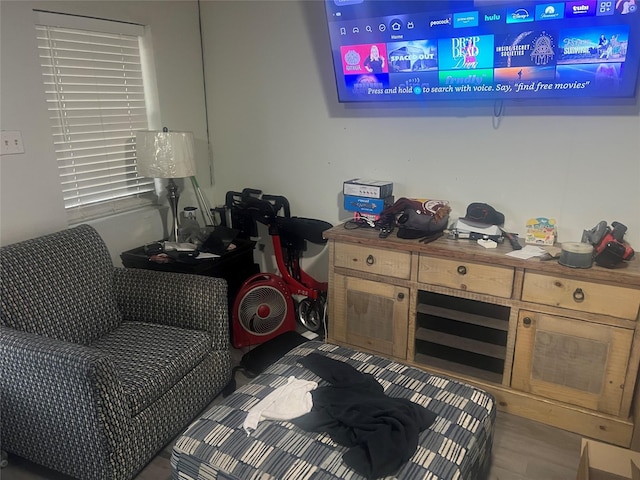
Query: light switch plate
x,y
11,142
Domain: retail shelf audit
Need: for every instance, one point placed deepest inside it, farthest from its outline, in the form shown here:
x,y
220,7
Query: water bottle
x,y
189,229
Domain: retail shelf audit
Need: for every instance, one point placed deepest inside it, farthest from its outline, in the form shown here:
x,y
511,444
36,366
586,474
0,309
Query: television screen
x,y
420,50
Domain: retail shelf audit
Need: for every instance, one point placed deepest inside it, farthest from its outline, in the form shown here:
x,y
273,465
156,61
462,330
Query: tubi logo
x,y
586,8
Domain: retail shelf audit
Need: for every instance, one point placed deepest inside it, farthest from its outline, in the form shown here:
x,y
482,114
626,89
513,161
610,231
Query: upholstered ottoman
x,y
457,445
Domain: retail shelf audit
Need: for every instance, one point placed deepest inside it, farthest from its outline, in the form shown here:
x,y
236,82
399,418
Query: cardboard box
x,y
366,205
361,187
601,461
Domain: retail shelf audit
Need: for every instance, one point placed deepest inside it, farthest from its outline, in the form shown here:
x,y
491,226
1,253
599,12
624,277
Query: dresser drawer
x,y
467,276
373,260
580,295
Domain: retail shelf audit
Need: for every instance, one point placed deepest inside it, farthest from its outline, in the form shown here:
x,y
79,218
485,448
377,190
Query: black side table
x,y
235,266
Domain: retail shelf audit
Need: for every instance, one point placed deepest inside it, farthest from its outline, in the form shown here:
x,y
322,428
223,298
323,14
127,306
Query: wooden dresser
x,y
554,344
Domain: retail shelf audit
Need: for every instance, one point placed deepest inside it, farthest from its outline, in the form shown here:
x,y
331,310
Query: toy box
x,y
541,231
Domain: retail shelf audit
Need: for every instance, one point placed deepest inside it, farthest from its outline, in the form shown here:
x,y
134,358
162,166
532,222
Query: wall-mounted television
x,y
420,50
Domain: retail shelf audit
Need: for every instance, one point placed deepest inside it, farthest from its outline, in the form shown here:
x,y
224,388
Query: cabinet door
x,y
370,315
572,361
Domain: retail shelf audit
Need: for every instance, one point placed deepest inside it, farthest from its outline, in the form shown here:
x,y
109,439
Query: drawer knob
x,y
462,270
526,321
578,295
401,296
370,260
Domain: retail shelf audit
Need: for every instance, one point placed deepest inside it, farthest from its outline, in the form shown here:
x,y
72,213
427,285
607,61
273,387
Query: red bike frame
x,y
298,281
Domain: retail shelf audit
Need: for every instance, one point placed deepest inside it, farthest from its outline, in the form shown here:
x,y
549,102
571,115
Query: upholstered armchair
x,y
101,366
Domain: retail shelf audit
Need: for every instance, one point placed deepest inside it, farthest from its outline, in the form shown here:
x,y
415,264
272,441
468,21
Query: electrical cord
x,y
497,108
498,113
324,321
357,223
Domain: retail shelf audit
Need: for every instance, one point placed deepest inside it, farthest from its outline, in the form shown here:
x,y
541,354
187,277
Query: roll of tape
x,y
576,255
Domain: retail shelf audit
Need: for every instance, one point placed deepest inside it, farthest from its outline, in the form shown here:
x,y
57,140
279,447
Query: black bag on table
x,y
416,218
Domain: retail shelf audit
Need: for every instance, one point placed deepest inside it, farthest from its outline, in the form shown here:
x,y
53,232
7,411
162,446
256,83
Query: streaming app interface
x,y
420,50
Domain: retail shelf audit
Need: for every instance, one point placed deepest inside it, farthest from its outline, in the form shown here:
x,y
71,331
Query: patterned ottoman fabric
x,y
456,446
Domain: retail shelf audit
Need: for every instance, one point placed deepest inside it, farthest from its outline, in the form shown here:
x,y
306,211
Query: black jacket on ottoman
x,y
382,431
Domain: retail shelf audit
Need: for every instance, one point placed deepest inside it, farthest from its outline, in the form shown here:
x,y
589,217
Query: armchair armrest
x,y
177,299
58,397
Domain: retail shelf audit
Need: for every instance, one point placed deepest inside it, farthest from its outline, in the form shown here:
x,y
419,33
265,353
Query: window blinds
x,y
95,96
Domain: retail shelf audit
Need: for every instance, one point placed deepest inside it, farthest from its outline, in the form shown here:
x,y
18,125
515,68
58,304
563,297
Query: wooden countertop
x,y
628,273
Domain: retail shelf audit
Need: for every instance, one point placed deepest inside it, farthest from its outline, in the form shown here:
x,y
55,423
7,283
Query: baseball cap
x,y
483,214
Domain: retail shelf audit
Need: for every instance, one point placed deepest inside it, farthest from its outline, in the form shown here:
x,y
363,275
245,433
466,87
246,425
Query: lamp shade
x,y
165,154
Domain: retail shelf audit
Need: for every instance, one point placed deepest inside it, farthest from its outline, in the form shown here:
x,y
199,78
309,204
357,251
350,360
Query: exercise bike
x,y
268,304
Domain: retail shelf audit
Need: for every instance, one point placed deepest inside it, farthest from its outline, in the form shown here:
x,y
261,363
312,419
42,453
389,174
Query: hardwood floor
x,y
522,450
528,450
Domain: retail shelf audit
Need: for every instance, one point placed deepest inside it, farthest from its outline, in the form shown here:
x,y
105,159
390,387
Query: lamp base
x,y
173,196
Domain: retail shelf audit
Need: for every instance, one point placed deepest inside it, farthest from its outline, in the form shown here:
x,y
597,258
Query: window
x,y
95,95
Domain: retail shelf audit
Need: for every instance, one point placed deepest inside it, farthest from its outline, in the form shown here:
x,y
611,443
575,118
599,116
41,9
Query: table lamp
x,y
166,155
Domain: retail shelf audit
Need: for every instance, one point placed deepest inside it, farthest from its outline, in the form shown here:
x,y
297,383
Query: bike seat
x,y
303,228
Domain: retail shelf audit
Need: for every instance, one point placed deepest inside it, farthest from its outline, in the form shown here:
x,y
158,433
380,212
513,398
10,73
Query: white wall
x,y
30,199
276,125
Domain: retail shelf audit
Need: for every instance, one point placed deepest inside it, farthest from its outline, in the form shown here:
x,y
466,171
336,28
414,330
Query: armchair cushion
x,y
155,297
50,289
151,358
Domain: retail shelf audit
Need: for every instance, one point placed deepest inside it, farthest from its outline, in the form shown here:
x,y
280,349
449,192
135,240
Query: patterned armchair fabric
x,y
102,366
60,286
